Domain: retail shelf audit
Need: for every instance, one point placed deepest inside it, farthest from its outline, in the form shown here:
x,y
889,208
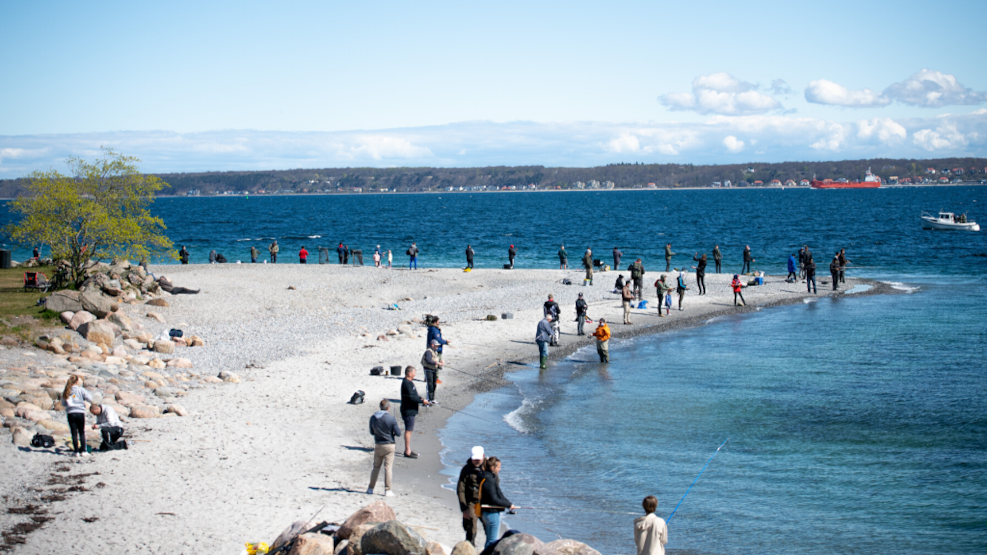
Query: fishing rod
x,y
466,413
696,480
559,509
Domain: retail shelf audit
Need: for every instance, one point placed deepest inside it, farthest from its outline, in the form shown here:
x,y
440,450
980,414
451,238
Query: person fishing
x,y
183,255
637,276
700,272
668,257
492,500
602,335
681,288
810,273
468,491
543,335
431,363
563,258
650,531
662,288
469,256
413,256
273,249
843,264
581,314
737,285
511,253
626,296
253,254
303,255
617,254
748,259
409,408
588,264
435,334
717,257
834,271
553,308
385,430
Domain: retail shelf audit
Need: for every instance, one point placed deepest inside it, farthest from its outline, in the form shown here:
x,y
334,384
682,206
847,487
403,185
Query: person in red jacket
x,y
737,284
302,255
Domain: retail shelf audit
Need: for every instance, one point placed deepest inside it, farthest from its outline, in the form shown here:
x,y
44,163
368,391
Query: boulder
x,y
43,402
341,547
156,316
230,377
180,363
66,317
313,544
55,426
7,413
97,331
133,344
22,437
393,538
434,548
115,360
63,301
37,416
463,548
96,302
375,512
357,536
144,411
119,351
290,532
157,302
176,409
121,320
517,544
565,547
79,318
196,341
164,346
157,363
128,399
164,392
24,409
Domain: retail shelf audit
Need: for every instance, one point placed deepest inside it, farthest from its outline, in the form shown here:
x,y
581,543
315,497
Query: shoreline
x,y
277,447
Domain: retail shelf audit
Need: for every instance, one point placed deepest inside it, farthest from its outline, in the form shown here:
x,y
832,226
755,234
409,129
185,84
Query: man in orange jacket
x,y
602,335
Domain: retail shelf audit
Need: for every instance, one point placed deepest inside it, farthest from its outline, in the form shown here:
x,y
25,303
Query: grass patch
x,y
14,301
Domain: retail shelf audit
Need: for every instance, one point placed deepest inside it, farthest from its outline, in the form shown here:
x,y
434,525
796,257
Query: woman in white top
x,y
74,398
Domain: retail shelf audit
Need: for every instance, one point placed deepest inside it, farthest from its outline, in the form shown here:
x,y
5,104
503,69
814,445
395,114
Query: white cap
x,y
477,453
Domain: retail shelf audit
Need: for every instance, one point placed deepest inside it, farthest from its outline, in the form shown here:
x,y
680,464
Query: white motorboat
x,y
948,221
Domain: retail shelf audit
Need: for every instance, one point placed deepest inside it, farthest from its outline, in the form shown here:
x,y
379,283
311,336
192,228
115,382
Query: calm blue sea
x,y
855,425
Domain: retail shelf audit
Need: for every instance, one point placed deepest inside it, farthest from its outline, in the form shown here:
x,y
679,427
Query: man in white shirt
x,y
109,426
650,532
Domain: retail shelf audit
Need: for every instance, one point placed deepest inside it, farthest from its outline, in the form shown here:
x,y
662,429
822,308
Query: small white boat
x,y
948,221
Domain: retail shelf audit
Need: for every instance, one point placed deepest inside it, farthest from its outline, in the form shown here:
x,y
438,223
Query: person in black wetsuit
x,y
469,256
717,257
700,272
810,273
511,253
834,271
183,254
617,253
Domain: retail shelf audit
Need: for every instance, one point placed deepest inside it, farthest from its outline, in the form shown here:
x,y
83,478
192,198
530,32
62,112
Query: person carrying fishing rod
x,y
468,491
492,501
650,531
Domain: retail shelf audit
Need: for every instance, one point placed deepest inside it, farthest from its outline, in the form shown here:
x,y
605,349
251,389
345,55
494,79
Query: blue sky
x,y
242,85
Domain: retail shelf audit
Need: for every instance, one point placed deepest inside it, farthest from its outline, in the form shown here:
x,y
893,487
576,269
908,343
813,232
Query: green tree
x,y
98,212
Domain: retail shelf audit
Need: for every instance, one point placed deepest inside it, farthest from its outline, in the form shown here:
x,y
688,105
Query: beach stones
x,y
393,538
375,512
97,331
434,548
157,363
157,302
164,347
180,363
63,301
144,411
463,548
290,532
357,536
517,544
156,316
313,544
229,377
97,303
22,437
177,410
128,399
565,547
121,320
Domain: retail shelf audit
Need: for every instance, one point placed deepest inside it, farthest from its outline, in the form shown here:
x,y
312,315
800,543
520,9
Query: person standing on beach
x,y
581,309
843,263
511,253
469,256
626,296
253,255
409,408
717,257
700,272
668,257
431,363
637,275
183,254
468,491
74,399
413,254
543,336
377,259
617,254
303,255
802,263
650,531
791,269
390,259
737,285
588,264
385,430
552,308
563,259
341,252
602,335
834,271
662,288
273,249
435,334
212,256
810,273
747,260
491,496
681,288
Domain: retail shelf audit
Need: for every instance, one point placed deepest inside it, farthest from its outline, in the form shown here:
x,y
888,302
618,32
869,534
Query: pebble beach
x,y
280,442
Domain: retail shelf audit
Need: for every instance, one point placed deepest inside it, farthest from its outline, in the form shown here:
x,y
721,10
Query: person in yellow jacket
x,y
650,531
602,335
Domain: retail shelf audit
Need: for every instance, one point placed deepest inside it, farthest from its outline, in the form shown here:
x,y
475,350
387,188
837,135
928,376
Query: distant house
x,y
758,183
804,183
775,183
579,185
790,183
652,185
931,171
958,171
893,179
750,169
717,184
943,180
727,183
609,184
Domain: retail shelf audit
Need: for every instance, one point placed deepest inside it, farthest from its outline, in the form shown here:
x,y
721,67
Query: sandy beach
x,y
254,456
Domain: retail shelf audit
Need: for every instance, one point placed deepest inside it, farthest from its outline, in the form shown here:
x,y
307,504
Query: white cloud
x,y
779,86
946,136
822,91
733,144
885,130
624,143
379,148
933,89
721,93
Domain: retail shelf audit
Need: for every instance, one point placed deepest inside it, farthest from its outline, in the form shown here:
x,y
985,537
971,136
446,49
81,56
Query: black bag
x,y
175,333
42,441
377,371
357,398
566,281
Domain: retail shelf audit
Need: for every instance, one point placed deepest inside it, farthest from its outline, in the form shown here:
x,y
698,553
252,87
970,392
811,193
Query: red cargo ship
x,y
870,181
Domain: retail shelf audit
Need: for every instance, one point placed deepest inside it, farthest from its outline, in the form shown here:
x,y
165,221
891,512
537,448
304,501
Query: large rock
x,y
375,512
313,544
434,548
357,536
66,317
79,318
144,411
97,331
165,347
463,548
230,377
128,399
517,544
96,302
157,302
565,547
180,363
22,437
156,316
122,320
393,538
64,301
55,426
290,532
176,409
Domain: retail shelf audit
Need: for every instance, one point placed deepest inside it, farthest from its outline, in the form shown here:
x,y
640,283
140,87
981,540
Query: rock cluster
x,y
375,530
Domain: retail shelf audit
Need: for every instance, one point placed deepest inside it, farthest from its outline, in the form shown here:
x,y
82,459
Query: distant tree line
x,y
624,176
